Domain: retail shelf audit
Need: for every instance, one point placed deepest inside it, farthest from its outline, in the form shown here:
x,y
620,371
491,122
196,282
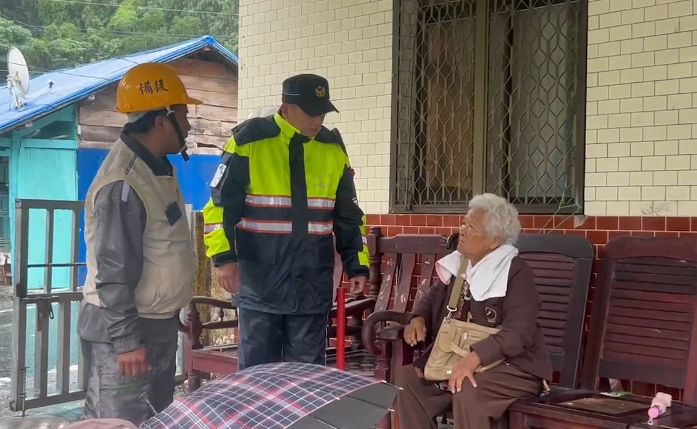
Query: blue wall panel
x,y
194,180
194,176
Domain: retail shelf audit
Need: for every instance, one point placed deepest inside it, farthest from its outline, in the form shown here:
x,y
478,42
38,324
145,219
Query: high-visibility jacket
x,y
280,203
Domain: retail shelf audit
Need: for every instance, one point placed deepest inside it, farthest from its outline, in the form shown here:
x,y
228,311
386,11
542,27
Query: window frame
x,y
480,120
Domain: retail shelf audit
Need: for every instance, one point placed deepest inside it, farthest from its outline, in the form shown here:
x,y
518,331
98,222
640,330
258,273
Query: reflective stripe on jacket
x,y
278,202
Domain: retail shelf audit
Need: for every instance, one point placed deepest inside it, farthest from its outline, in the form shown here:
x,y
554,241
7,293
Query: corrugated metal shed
x,y
72,85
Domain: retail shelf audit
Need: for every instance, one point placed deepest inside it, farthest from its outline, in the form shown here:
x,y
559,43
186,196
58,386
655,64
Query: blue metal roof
x,y
72,85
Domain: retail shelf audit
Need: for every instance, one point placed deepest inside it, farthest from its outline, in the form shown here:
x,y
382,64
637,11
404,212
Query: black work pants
x,y
268,337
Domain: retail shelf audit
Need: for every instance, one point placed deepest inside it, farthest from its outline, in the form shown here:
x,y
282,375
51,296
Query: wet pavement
x,y
5,349
71,410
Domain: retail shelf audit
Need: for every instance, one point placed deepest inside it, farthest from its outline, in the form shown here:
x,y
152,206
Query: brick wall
x,y
597,229
347,41
641,131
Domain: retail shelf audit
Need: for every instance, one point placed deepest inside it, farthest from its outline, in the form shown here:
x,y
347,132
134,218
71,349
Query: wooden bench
x,y
562,267
643,328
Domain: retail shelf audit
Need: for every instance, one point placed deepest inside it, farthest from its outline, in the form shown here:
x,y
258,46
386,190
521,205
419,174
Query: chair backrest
x,y
644,318
400,262
562,266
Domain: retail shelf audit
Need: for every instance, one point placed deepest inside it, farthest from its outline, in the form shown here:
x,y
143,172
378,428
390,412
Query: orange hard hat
x,y
151,86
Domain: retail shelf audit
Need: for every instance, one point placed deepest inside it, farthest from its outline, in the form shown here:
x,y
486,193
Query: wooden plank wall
x,y
211,122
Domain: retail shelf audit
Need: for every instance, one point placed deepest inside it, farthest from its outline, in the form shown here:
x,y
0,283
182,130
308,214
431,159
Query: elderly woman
x,y
502,294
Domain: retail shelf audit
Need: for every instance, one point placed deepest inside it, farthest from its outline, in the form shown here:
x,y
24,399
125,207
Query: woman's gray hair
x,y
500,217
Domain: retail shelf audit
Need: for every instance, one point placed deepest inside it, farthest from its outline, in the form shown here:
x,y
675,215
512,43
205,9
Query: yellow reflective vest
x,y
280,204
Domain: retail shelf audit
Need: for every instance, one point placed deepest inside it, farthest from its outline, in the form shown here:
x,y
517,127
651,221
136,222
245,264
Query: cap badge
x,y
320,91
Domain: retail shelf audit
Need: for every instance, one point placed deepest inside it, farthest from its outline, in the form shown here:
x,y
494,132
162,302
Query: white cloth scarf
x,y
487,279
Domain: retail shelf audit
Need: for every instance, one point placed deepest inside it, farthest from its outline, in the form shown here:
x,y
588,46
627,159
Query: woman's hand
x,y
415,331
464,369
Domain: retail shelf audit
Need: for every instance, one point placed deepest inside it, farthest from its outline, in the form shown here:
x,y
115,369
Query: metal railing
x,y
39,296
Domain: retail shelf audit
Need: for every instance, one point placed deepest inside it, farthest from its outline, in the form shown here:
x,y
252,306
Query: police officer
x,y
281,196
139,255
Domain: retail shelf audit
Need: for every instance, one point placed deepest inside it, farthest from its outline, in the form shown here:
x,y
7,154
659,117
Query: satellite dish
x,y
17,77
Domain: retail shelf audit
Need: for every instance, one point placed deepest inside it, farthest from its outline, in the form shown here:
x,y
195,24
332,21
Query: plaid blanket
x,y
264,396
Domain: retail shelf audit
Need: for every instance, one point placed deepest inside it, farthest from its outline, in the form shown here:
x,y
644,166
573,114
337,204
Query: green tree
x,y
11,35
56,34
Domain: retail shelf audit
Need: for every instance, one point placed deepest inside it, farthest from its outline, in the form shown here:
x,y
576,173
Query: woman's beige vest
x,y
166,284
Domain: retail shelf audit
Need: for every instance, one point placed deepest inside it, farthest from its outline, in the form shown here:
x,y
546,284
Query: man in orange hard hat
x,y
139,254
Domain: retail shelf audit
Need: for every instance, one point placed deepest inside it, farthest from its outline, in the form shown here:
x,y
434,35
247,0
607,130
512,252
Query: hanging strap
x,y
461,287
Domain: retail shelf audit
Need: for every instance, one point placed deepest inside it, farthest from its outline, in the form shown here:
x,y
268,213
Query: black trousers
x,y
268,337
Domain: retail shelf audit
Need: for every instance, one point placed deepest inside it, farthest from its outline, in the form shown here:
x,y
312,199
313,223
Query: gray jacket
x,y
120,220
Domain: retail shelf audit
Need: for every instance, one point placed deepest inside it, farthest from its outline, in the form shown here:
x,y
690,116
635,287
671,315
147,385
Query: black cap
x,y
310,92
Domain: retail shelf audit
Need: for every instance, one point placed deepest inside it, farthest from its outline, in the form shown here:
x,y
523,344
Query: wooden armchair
x,y
406,261
643,328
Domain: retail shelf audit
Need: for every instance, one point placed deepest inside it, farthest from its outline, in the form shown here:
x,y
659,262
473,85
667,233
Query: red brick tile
x,y
653,223
597,237
410,230
588,223
543,222
643,233
403,220
598,254
688,234
444,231
632,223
693,224
563,222
615,234
610,223
427,230
526,221
434,220
418,220
576,232
678,223
391,231
452,220
388,219
373,219
665,234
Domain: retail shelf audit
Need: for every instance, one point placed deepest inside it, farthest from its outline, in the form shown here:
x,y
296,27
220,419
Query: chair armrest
x,y
207,300
192,325
356,307
391,333
372,334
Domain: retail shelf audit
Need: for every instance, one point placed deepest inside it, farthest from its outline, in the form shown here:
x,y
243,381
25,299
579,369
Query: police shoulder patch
x,y
255,129
219,172
333,136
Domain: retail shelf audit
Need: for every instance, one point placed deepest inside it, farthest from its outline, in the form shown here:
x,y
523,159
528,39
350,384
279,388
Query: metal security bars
x,y
488,95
